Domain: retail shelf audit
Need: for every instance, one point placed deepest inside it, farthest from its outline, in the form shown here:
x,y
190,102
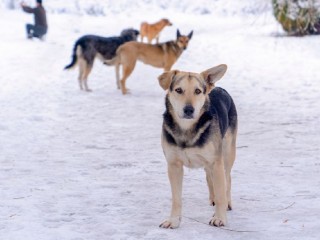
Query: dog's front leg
x,y
219,185
175,172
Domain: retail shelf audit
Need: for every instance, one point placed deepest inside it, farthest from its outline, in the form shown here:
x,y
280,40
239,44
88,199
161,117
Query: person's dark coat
x,y
39,12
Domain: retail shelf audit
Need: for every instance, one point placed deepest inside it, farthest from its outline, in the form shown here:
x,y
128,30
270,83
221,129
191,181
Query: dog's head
x,y
131,33
183,40
166,22
188,92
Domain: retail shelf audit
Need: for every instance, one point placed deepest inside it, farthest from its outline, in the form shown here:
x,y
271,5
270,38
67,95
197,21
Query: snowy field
x,y
89,166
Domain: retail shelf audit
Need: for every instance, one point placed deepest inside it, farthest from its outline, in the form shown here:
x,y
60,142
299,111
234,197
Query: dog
x,y
88,47
161,55
199,130
152,31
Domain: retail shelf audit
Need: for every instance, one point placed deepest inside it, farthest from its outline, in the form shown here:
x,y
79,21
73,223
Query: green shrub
x,y
297,17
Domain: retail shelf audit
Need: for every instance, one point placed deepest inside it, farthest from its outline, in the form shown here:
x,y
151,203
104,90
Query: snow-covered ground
x,y
77,165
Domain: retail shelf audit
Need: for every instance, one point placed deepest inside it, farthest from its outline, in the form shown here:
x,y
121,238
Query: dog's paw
x,y
88,90
229,206
125,91
217,222
171,223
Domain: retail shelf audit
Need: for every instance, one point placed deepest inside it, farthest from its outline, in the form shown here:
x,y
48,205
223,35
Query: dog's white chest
x,y
191,157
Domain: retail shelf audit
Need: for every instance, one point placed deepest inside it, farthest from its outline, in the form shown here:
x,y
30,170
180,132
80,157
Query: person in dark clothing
x,y
39,29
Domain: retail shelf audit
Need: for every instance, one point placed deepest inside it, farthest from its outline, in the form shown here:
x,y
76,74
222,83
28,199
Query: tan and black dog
x,y
152,31
199,131
161,55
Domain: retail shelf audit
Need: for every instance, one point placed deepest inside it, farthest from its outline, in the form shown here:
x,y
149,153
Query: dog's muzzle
x,y
188,112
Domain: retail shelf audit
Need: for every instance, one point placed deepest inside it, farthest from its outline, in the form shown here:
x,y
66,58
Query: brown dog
x,y
162,55
152,31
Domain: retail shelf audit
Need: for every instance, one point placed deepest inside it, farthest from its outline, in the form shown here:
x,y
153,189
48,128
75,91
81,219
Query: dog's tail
x,y
75,52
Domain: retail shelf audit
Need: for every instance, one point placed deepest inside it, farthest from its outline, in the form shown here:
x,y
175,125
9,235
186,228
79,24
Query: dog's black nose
x,y
188,111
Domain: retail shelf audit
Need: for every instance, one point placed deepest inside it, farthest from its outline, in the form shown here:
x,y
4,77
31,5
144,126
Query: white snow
x,y
77,165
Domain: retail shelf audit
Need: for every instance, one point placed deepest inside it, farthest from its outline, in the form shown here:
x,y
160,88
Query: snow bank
x,y
107,7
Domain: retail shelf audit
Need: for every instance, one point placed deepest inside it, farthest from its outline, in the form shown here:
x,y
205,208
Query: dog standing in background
x,y
88,47
199,131
152,31
161,55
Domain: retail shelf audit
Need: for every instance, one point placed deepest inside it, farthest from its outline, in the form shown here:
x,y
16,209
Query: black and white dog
x,y
88,47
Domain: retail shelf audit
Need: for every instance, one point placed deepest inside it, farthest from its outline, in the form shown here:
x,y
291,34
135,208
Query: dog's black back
x,y
223,107
91,45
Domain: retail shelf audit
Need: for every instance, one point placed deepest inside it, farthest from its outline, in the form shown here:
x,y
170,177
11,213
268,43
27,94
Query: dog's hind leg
x,y
209,178
82,66
219,184
117,68
228,180
229,156
85,77
80,77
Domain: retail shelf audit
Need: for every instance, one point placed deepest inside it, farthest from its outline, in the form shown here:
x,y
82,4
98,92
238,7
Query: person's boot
x,y
42,38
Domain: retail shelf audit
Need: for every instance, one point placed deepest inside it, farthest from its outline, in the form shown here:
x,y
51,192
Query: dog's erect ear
x,y
178,33
212,75
165,78
190,35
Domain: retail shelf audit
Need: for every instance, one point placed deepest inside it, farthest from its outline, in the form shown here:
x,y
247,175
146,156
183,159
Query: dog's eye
x,y
197,91
179,90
